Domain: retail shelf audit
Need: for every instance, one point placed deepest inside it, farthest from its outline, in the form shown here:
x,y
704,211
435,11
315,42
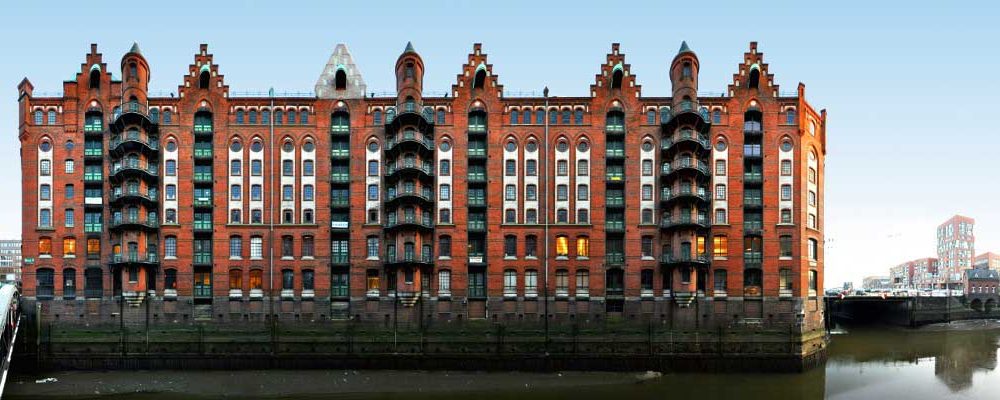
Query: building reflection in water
x,y
962,355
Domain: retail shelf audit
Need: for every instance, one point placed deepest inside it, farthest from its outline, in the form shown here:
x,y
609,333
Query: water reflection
x,y
865,363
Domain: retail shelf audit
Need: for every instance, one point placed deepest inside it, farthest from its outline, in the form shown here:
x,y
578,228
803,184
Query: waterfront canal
x,y
933,362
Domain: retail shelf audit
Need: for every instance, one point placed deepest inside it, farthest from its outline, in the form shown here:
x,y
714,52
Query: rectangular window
x,y
720,192
45,167
647,246
786,192
286,193
720,246
531,168
235,168
531,192
812,198
255,193
785,246
582,283
256,247
786,216
234,192
647,192
562,283
445,192
45,193
562,192
256,167
373,247
530,283
785,280
69,217
786,167
813,249
510,246
720,167
308,193
69,193
720,216
812,175
477,284
70,166
720,281
582,168
510,283
583,192
646,280
647,167
510,168
562,168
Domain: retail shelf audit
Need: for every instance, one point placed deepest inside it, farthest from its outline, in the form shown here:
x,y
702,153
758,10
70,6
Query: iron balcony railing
x,y
339,258
614,202
614,128
391,257
422,222
202,127
93,177
134,258
340,153
203,177
391,143
340,178
203,201
340,201
202,258
150,143
477,152
753,202
426,195
202,152
753,178
477,177
477,201
667,194
753,227
669,258
678,165
614,153
684,136
614,258
701,221
93,152
146,222
477,226
147,168
426,169
204,226
753,258
614,226
150,196
340,129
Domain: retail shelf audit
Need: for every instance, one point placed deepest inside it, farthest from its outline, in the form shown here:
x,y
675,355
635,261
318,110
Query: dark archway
x,y
754,81
977,305
989,306
95,79
480,79
203,80
340,80
616,78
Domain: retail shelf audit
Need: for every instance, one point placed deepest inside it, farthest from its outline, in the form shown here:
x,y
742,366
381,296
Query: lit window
x,y
720,246
562,246
582,246
69,247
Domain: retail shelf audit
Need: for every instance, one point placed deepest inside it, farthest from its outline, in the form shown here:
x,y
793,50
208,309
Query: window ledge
x,y
509,257
308,258
372,259
784,258
444,258
582,258
233,258
648,258
720,258
69,256
785,224
257,258
285,258
812,263
44,256
562,258
530,257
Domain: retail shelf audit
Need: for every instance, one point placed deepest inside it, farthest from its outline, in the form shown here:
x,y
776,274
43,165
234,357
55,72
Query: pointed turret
x,y
684,48
135,49
684,78
409,75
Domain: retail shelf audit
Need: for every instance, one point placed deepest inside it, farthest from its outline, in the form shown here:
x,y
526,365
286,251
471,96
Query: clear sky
x,y
911,87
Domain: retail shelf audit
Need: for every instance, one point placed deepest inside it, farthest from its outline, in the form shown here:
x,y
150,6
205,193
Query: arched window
x,y
754,80
203,79
154,115
616,77
513,117
526,118
440,117
716,116
39,117
51,117
45,278
411,105
167,117
790,116
340,80
291,117
651,117
377,117
480,78
279,117
686,70
372,168
95,78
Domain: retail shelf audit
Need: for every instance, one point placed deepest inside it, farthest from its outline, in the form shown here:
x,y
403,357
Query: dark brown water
x,y
943,361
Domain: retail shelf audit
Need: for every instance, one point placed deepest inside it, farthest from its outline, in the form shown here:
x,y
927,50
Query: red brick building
x,y
476,204
956,249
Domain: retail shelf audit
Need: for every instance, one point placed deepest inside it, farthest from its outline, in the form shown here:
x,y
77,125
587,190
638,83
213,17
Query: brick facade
x,y
696,209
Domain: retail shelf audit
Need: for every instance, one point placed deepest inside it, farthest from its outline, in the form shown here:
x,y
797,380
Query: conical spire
x,y
135,48
409,48
684,48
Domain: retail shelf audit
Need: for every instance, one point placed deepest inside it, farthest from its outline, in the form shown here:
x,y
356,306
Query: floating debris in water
x,y
46,380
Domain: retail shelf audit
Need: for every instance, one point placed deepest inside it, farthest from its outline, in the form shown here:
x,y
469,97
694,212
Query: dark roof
x,y
684,48
976,273
135,48
409,48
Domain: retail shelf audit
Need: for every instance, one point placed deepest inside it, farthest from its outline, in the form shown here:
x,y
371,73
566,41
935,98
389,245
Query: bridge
x,y
10,321
908,310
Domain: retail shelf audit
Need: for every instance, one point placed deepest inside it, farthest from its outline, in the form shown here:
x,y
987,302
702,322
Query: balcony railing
x,y
147,222
202,258
340,153
477,226
614,258
202,152
753,258
477,128
340,129
340,201
614,153
699,166
753,227
753,202
614,128
118,141
477,201
616,176
681,221
614,202
614,226
93,152
203,177
339,258
753,178
477,152
93,177
703,194
149,169
203,226
426,169
391,257
203,202
340,178
202,127
133,258
150,196
669,258
478,177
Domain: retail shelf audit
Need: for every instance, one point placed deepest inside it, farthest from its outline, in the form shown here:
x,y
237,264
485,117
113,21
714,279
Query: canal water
x,y
957,360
